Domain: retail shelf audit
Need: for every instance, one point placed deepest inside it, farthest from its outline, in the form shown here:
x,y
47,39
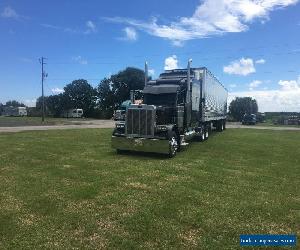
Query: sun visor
x,y
160,89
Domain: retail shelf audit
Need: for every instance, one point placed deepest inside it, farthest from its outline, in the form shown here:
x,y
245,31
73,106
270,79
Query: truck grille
x,y
140,122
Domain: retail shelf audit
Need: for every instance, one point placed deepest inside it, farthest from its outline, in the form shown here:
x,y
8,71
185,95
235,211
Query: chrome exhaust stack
x,y
188,92
146,73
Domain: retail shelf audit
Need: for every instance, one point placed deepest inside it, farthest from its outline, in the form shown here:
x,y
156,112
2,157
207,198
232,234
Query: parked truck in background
x,y
180,105
249,119
135,98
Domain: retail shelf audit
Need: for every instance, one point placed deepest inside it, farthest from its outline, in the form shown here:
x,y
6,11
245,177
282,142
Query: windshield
x,y
168,99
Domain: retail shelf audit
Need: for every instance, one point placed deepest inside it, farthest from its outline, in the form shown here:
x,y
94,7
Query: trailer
x,y
73,113
180,105
14,111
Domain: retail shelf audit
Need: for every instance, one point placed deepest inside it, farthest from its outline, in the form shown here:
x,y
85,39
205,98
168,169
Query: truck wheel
x,y
173,145
202,138
224,124
206,133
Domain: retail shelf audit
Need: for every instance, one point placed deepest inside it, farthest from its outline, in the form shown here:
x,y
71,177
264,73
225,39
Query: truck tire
x,y
206,133
173,145
202,137
224,124
221,126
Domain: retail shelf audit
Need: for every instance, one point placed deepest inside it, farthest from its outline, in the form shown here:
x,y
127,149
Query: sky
x,y
252,47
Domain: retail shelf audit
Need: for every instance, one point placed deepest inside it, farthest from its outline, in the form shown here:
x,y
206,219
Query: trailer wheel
x,y
173,145
222,126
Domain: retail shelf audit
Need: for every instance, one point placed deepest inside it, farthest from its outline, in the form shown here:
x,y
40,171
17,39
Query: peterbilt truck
x,y
181,105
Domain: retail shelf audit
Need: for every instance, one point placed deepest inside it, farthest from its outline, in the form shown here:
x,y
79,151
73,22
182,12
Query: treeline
x,y
11,103
99,102
240,106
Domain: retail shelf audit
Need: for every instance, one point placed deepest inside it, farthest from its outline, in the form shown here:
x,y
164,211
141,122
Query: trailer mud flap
x,y
140,144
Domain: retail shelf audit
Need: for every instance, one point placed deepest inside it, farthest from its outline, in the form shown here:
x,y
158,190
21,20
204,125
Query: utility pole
x,y
44,75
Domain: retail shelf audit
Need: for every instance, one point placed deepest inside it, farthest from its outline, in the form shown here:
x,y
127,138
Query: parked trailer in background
x,y
73,113
180,105
14,111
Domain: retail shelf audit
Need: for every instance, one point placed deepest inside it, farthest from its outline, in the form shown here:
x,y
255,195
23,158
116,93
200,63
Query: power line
x,y
285,45
206,58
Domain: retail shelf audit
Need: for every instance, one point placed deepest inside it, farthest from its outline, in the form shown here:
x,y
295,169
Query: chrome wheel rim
x,y
173,145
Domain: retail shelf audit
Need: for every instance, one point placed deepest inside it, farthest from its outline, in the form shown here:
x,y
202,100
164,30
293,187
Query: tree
x,y
80,94
126,80
242,105
39,105
106,98
55,104
111,92
1,108
14,103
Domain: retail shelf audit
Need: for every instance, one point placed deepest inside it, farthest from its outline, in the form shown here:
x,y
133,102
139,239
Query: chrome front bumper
x,y
140,144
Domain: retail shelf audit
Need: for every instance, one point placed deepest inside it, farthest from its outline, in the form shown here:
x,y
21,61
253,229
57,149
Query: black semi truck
x,y
180,105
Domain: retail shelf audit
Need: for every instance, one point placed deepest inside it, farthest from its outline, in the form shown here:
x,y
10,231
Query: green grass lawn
x,y
36,121
69,189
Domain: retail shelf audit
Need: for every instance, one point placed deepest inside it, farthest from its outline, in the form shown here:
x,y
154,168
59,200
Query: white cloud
x,y
91,27
232,85
50,26
254,84
56,91
211,17
151,72
130,34
80,60
64,29
292,85
9,12
171,62
244,66
286,98
260,61
30,102
178,43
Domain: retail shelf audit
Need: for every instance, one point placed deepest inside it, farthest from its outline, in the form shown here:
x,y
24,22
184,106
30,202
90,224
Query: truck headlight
x,y
120,125
161,128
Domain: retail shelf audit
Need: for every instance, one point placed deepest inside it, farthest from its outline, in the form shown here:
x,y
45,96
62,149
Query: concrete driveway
x,y
238,125
111,124
85,124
